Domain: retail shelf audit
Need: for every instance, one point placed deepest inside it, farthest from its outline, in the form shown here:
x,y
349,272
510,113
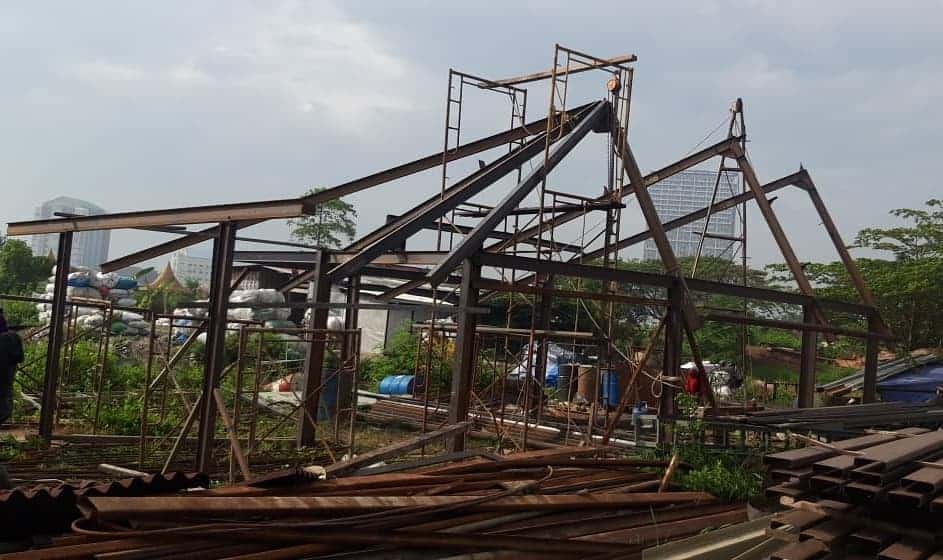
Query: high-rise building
x,y
687,192
89,248
187,266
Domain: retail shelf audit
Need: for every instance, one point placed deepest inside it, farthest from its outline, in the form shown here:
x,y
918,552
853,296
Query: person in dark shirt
x,y
11,355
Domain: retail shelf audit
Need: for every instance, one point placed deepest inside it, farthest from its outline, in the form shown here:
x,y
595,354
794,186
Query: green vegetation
x,y
906,289
723,472
20,271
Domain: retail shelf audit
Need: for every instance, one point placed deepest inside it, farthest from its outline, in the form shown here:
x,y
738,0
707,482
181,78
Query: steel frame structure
x,y
465,266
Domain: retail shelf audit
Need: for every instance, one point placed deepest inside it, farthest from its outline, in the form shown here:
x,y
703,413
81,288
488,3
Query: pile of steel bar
x,y
848,418
879,495
568,502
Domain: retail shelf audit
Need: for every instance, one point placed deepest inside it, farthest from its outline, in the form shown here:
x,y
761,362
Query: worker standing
x,y
11,355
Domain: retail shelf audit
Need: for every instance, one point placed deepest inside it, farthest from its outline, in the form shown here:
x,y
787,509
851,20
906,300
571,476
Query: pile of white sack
x,y
180,332
93,285
271,317
258,299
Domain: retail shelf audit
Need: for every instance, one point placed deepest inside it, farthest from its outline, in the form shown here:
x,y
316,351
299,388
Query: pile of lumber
x,y
569,502
878,495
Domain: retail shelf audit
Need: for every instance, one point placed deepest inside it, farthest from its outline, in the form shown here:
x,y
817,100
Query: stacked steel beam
x,y
576,502
846,418
872,496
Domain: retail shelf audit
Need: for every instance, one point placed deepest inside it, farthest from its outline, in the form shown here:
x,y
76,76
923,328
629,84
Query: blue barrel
x,y
609,388
553,372
397,384
327,406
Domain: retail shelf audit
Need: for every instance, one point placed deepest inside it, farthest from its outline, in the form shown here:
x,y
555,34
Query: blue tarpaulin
x,y
916,385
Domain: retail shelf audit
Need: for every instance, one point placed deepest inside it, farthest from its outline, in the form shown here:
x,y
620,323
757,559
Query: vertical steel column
x,y
807,361
319,291
223,247
871,360
463,369
543,323
673,342
850,266
647,206
47,415
349,346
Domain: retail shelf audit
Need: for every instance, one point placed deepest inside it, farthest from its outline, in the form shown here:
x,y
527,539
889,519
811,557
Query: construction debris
x,y
574,502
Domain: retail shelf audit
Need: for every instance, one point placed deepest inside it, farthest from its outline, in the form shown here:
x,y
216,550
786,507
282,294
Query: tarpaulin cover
x,y
915,385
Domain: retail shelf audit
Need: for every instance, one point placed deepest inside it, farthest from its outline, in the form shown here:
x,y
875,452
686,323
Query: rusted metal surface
x,y
570,502
50,509
875,499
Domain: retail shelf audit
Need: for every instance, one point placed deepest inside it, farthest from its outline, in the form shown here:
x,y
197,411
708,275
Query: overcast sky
x,y
169,104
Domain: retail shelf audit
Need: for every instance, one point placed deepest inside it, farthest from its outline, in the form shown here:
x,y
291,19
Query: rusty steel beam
x,y
556,268
396,257
500,260
792,325
395,222
529,210
215,341
169,507
394,234
647,205
350,187
850,266
869,389
265,210
503,235
769,216
720,148
463,370
164,248
498,286
396,449
319,291
807,361
430,161
594,120
47,414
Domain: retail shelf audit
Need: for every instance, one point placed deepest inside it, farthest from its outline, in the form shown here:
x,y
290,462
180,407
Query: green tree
x,y
20,271
906,289
329,225
921,240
